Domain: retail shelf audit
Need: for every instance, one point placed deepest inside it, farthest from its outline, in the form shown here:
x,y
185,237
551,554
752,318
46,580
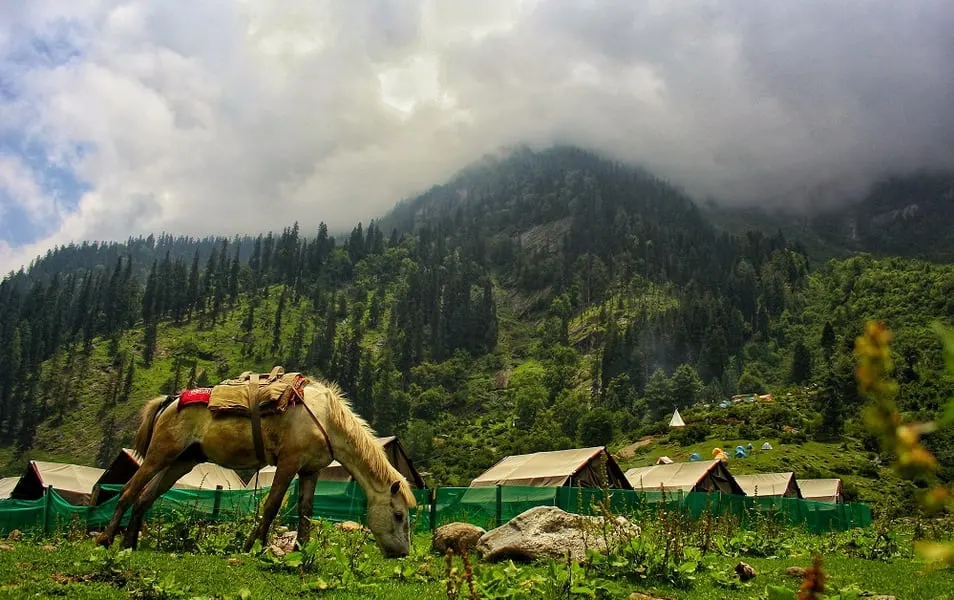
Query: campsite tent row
x,y
585,467
80,484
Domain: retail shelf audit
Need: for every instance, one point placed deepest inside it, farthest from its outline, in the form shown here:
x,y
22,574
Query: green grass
x,y
30,571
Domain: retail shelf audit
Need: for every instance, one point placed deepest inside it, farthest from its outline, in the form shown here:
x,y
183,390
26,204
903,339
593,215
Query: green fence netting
x,y
483,506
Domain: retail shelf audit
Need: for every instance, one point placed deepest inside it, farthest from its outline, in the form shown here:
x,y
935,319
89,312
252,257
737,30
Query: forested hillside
x,y
536,301
909,216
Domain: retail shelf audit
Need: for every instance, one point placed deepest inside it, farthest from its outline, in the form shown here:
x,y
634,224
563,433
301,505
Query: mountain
x,y
536,301
910,216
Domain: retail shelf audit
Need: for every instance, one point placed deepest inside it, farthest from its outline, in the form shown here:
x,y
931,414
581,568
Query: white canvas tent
x,y
821,490
769,485
73,482
336,471
578,468
205,476
766,446
6,486
700,476
676,420
664,460
208,476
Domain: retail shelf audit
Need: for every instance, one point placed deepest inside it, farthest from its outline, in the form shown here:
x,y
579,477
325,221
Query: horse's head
x,y
388,520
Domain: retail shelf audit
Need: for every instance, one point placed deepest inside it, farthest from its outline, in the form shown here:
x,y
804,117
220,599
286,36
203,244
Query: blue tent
x,y
725,404
741,452
694,457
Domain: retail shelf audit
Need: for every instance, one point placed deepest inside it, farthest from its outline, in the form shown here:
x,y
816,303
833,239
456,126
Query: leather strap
x,y
322,428
255,413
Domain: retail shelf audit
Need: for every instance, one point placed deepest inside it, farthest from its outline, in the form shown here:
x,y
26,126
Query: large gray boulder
x,y
548,532
459,537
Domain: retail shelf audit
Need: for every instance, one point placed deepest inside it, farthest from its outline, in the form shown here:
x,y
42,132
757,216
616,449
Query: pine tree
x,y
128,383
192,290
296,347
277,330
801,363
828,342
149,343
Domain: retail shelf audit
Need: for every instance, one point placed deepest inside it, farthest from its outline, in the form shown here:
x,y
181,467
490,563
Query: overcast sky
x,y
123,117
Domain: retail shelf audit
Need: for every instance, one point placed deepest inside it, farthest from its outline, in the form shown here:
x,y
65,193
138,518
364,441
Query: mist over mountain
x,y
130,118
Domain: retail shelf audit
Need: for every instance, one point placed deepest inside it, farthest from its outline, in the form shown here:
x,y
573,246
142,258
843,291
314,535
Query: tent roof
x,y
206,476
542,469
676,420
683,476
66,477
74,482
766,484
766,446
336,472
384,441
6,486
821,489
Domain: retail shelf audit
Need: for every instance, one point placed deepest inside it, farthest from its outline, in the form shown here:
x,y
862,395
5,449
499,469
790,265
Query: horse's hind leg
x,y
158,486
273,502
306,498
130,492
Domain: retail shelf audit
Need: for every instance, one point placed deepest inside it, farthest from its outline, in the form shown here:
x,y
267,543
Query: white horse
x,y
301,440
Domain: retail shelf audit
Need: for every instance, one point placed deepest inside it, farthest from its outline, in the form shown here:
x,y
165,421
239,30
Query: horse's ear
x,y
395,488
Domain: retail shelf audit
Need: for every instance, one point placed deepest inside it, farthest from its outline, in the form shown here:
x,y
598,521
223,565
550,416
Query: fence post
x,y
47,504
499,513
216,502
433,495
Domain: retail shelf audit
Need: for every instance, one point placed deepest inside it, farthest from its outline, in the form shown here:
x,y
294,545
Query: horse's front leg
x,y
283,477
129,494
306,498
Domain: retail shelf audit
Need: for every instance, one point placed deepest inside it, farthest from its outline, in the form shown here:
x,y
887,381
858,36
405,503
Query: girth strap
x,y
255,413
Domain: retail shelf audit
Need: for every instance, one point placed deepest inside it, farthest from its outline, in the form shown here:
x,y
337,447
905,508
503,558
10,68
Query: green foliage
x,y
596,427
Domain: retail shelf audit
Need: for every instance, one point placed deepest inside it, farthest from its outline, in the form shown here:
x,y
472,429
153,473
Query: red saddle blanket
x,y
194,396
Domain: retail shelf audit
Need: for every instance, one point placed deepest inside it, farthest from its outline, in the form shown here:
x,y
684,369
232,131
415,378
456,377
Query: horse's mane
x,y
361,437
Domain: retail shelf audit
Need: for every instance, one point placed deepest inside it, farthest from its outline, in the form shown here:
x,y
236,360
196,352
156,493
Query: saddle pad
x,y
194,396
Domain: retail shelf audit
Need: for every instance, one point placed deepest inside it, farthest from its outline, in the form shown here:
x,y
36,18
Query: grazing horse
x,y
173,441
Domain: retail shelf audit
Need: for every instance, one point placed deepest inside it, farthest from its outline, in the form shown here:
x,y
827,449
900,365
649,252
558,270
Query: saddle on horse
x,y
262,392
255,394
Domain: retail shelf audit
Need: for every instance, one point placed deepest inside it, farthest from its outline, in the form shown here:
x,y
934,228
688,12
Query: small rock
x,y
880,597
48,548
281,530
277,551
285,542
6,547
349,526
457,536
797,572
15,535
745,571
234,561
641,596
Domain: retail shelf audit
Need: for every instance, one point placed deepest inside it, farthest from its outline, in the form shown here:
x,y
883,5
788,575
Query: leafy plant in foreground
x,y
883,417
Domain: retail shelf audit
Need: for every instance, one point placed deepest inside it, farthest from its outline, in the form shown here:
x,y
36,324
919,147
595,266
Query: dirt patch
x,y
630,451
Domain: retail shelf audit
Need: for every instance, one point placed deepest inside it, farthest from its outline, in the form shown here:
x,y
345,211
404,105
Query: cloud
x,y
231,116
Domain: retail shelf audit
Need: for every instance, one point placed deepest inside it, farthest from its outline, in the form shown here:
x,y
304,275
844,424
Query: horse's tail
x,y
147,421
